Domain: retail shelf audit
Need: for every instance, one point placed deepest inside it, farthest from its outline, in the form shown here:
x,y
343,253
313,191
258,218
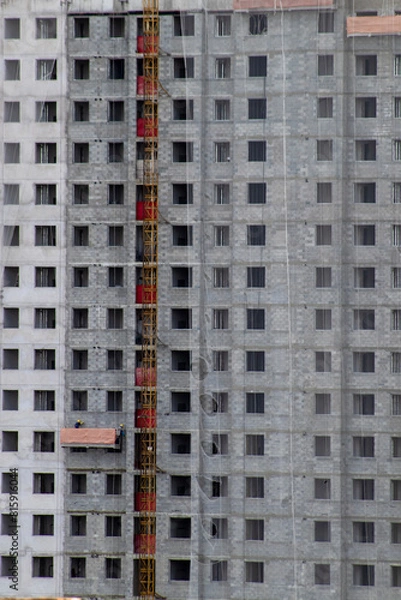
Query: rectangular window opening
x,y
365,193
366,65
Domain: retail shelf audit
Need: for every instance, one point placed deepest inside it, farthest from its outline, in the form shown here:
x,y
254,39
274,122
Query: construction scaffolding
x,y
147,520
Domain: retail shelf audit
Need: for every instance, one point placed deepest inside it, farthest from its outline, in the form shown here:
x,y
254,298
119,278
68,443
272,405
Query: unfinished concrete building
x,y
229,170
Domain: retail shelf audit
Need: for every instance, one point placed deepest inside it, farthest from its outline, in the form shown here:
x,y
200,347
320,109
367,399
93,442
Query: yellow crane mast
x,y
147,518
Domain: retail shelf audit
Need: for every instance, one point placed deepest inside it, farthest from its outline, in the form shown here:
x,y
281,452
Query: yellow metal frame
x,y
147,446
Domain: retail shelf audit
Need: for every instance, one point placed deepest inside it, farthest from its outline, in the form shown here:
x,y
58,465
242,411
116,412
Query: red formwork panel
x,y
144,543
146,210
141,87
145,376
145,295
145,418
140,127
148,126
150,44
145,501
140,211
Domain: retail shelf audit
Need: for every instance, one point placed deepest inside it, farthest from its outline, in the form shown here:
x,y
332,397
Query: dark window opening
x,y
365,150
81,68
325,65
81,193
180,485
325,108
45,318
184,68
365,108
46,112
366,65
181,401
257,193
184,25
114,401
113,526
364,404
363,532
44,400
116,193
182,235
256,277
116,68
43,441
183,152
180,570
10,400
257,151
325,22
117,27
79,400
81,27
81,152
258,24
257,66
11,193
81,111
365,193
182,193
324,193
181,443
181,277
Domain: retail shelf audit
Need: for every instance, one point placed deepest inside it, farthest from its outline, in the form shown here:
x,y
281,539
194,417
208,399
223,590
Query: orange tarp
x,y
87,437
374,25
281,4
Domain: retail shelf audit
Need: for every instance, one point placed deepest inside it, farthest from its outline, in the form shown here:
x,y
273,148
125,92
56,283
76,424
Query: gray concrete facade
x,y
279,277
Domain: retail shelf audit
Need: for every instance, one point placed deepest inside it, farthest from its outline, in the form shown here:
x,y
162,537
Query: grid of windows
x,y
365,192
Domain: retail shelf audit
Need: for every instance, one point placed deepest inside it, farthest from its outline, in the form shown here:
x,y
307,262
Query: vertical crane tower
x,y
147,518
